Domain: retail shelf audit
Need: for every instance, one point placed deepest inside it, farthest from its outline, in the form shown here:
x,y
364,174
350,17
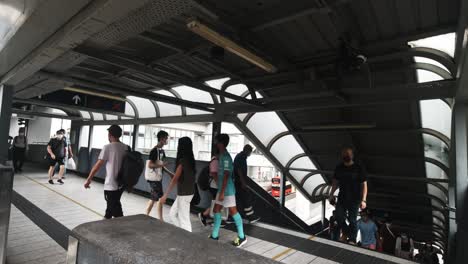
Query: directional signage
x,y
85,100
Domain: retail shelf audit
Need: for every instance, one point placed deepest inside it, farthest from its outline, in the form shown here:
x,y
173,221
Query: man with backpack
x,y
154,172
112,155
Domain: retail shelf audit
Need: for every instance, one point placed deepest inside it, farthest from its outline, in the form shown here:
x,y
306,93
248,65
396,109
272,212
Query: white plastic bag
x,y
71,165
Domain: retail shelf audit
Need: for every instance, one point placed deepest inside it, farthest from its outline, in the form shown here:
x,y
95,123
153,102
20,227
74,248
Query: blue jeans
x,y
347,211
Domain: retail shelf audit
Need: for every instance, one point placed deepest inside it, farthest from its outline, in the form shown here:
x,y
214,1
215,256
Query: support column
x,y
6,171
6,96
135,136
282,198
215,132
461,180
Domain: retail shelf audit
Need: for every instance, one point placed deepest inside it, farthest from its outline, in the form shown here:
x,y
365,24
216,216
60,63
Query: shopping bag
x,y
71,165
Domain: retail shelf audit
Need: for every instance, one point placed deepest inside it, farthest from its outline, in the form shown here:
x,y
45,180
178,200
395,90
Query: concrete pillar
x,y
459,143
6,96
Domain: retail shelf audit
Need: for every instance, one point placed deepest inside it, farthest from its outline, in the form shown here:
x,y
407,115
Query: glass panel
x,y
298,175
166,109
58,112
144,106
84,136
127,135
427,76
286,148
217,83
99,137
445,43
435,172
266,126
437,115
430,61
436,149
129,109
111,117
98,116
259,96
192,94
242,116
303,163
85,115
312,182
237,89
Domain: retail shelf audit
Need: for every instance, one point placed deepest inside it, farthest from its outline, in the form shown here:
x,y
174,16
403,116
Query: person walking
x,y
240,179
368,230
112,156
351,178
155,167
20,146
56,155
184,178
213,189
226,196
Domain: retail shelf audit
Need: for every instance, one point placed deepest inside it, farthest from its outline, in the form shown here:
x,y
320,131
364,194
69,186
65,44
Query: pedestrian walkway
x,y
27,243
71,205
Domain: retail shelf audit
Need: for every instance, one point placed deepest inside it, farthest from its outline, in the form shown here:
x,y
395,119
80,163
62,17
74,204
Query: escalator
x,y
271,212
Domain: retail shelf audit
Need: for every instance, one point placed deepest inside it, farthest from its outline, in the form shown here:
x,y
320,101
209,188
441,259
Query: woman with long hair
x,y
184,177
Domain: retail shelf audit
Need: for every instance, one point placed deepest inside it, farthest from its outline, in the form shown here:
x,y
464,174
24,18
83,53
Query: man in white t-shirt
x,y
112,155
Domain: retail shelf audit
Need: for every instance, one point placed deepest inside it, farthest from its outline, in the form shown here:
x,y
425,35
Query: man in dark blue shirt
x,y
240,179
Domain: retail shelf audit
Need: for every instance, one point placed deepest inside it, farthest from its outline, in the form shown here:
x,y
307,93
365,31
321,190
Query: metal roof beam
x,y
157,120
354,98
131,64
65,106
41,114
127,90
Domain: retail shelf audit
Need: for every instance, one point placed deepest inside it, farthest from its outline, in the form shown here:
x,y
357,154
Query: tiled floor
x,y
73,205
27,243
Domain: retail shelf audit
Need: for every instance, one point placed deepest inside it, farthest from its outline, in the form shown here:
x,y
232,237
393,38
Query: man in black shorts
x,y
56,155
154,172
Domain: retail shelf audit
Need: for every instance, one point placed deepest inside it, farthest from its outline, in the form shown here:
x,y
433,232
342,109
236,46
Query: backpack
x,y
204,178
131,170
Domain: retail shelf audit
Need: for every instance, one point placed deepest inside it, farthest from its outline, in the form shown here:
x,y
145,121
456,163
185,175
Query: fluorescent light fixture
x,y
83,91
341,126
219,40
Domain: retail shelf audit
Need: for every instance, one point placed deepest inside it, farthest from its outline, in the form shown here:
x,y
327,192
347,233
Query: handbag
x,y
152,174
71,165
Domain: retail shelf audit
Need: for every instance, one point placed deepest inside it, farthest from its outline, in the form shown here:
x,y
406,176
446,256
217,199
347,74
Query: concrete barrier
x,y
141,239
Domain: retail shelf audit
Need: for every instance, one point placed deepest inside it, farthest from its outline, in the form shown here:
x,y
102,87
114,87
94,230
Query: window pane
x,y
266,126
445,43
166,109
144,106
312,182
85,115
99,137
286,148
436,149
129,109
84,136
98,116
437,115
427,76
111,117
435,172
192,94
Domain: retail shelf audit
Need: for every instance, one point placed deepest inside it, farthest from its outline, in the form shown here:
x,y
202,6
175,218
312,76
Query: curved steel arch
x,y
276,138
439,164
231,82
432,68
302,182
183,109
293,159
135,110
437,55
156,108
437,134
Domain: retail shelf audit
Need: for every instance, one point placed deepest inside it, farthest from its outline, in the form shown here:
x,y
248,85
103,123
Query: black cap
x,y
115,131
